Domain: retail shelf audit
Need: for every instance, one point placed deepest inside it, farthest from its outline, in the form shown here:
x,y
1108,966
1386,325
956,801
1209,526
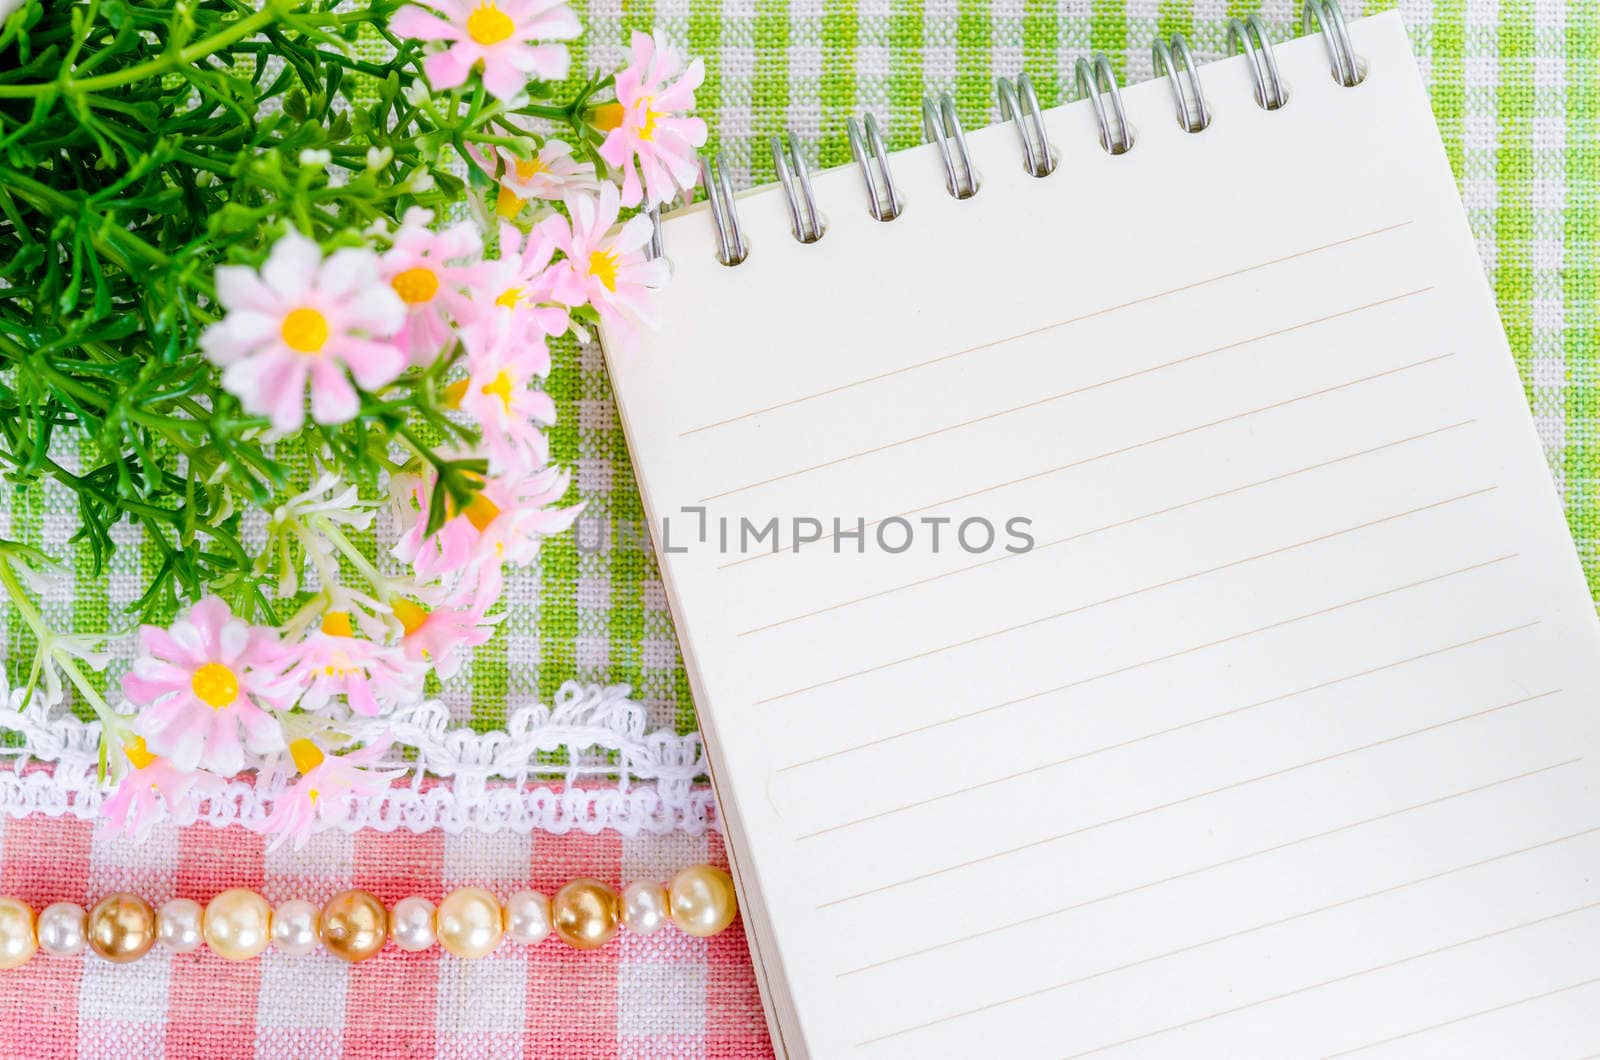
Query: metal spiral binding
x,y
884,204
805,221
942,125
654,248
1015,96
1270,92
1328,17
1193,114
731,247
1098,82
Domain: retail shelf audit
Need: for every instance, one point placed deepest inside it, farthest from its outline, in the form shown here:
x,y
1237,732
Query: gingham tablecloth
x,y
665,995
1516,88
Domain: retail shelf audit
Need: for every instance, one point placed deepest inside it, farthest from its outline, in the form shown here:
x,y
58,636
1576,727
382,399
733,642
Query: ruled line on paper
x,y
1231,491
1231,786
1063,395
1463,1019
1330,683
1081,461
1188,873
1393,889
1344,978
1081,608
1068,760
1247,633
1047,327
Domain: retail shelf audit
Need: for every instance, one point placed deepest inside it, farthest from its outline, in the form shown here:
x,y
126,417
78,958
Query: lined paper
x,y
1277,739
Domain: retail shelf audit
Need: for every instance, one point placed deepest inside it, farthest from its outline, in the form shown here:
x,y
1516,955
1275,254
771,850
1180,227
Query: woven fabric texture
x,y
1516,88
665,995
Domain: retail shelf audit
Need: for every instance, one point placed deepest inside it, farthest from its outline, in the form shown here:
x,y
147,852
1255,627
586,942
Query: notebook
x,y
1128,609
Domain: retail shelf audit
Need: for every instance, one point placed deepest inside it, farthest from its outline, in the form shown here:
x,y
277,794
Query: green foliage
x,y
145,142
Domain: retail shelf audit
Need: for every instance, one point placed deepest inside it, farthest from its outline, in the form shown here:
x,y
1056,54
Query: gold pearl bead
x,y
703,900
238,924
469,922
353,925
17,939
585,913
122,928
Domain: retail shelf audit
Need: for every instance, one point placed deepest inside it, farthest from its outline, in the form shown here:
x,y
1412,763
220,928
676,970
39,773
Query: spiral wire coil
x,y
1096,82
942,125
1193,114
1019,104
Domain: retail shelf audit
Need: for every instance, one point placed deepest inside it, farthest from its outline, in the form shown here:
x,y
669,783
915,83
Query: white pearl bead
x,y
178,925
411,924
63,929
644,906
527,917
294,927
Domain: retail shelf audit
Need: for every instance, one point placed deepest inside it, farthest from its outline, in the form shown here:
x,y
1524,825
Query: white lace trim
x,y
616,775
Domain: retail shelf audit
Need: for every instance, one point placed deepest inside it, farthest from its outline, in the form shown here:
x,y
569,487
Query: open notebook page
x,y
1274,743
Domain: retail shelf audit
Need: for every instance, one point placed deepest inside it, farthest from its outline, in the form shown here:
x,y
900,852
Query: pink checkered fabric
x,y
667,995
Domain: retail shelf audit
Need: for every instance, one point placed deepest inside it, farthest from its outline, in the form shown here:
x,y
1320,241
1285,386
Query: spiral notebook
x,y
1245,704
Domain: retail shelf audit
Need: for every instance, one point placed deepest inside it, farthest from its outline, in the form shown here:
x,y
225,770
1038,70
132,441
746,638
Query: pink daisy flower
x,y
201,683
500,34
610,269
501,365
305,322
431,272
332,661
323,793
648,133
504,523
153,789
437,634
552,174
522,281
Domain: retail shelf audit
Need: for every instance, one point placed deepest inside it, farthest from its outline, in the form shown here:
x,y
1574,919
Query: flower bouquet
x,y
273,274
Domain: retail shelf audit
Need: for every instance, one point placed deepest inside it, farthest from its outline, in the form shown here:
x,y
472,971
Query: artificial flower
x,y
305,321
502,35
505,521
202,682
153,789
497,393
649,133
323,793
552,174
331,660
523,281
431,272
436,634
610,268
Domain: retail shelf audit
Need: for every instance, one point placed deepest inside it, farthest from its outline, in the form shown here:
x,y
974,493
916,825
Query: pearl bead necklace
x,y
470,922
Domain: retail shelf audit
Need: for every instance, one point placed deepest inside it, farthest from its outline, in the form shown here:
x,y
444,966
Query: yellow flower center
x,y
415,286
603,267
489,25
454,393
481,511
527,170
509,298
307,755
411,615
305,330
215,685
138,753
508,204
606,116
500,387
337,624
647,130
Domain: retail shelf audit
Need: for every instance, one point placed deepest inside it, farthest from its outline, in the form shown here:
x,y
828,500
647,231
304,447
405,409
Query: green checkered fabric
x,y
1515,86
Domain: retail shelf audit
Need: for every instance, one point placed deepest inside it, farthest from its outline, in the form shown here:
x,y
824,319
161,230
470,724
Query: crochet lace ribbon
x,y
587,762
